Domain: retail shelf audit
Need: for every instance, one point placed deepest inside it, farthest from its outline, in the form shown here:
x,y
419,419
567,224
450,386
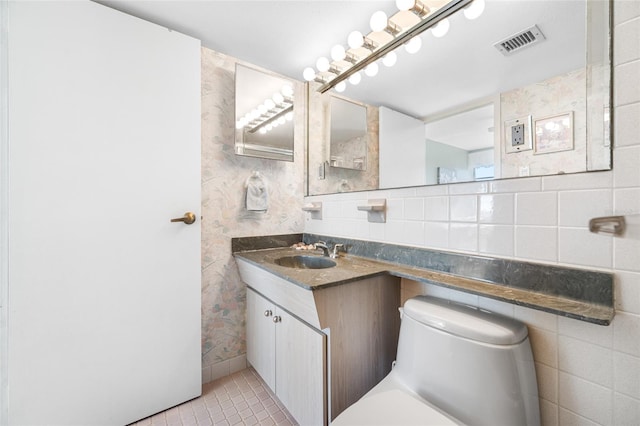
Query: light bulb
x,y
263,130
262,109
287,91
441,29
269,104
474,10
413,45
405,4
371,69
288,116
378,21
269,127
322,64
278,98
274,124
390,59
281,120
309,74
355,78
255,114
239,125
338,53
355,39
340,87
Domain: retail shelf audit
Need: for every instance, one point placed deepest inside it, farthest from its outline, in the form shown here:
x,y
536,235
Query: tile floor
x,y
239,399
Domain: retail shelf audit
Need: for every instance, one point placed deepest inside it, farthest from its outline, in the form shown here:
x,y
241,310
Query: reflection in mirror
x,y
264,115
467,111
461,147
348,135
322,178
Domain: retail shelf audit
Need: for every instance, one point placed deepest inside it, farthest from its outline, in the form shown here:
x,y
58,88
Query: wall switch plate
x,y
517,135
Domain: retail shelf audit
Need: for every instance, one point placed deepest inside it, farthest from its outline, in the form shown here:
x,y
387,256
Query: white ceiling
x,y
288,35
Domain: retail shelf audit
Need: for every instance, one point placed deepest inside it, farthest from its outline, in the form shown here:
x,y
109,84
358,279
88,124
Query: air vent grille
x,y
520,40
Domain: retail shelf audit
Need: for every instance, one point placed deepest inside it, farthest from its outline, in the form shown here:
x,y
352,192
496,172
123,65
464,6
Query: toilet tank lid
x,y
465,321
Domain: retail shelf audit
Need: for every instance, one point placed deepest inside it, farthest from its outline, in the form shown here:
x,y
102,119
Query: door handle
x,y
188,218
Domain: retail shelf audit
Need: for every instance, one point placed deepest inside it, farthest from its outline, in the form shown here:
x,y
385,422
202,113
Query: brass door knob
x,y
188,218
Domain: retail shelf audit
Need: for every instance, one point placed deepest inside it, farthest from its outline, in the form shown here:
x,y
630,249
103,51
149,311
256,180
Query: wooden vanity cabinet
x,y
329,346
290,356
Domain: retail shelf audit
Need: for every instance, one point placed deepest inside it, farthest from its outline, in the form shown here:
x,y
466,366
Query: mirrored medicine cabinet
x,y
264,107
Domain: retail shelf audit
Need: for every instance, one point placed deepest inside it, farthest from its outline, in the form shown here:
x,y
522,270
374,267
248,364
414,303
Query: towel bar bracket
x,y
615,225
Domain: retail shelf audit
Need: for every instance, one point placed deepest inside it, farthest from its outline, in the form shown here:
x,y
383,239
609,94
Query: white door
x,y
104,149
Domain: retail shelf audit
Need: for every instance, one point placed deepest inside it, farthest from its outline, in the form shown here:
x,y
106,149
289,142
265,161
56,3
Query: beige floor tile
x,y
239,399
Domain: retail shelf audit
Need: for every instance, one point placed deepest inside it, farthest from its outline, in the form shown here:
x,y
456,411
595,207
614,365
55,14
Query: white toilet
x,y
456,364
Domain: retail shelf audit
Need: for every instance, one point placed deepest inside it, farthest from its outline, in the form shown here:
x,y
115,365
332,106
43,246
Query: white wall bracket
x,y
314,209
376,210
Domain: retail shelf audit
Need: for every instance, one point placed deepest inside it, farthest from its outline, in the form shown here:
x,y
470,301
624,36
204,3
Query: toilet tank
x,y
473,364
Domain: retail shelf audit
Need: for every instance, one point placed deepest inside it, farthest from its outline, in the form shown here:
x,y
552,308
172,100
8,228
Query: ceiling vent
x,y
520,40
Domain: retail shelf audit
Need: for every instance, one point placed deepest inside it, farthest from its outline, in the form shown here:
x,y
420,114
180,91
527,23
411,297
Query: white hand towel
x,y
257,197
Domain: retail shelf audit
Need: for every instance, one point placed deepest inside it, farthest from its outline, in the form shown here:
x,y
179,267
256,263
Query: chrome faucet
x,y
322,245
336,248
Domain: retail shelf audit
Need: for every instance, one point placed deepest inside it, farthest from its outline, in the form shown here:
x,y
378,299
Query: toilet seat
x,y
390,403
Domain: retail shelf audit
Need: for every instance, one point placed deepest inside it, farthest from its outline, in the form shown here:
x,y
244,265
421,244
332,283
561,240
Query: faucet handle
x,y
336,248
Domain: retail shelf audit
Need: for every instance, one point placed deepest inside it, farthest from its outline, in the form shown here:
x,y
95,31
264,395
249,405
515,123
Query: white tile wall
x,y
588,374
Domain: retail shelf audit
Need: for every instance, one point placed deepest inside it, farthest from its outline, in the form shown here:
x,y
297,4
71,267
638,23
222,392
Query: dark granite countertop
x,y
351,268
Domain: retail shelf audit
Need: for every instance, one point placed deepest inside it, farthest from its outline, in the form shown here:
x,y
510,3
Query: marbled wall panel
x,y
554,96
223,206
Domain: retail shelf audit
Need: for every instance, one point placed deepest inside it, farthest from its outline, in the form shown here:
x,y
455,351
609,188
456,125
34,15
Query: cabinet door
x,y
300,369
261,337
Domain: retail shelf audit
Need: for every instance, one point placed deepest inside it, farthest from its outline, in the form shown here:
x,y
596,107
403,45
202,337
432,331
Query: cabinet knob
x,y
277,318
268,313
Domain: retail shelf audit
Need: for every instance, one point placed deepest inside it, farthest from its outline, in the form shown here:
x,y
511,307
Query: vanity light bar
x,y
427,21
254,126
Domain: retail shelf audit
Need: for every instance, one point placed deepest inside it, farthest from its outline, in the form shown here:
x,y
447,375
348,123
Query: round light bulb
x,y
413,45
269,127
309,74
277,98
340,87
405,4
474,10
390,59
262,109
287,91
239,125
263,130
355,78
288,116
255,114
371,69
281,120
269,104
274,124
355,39
441,29
338,53
322,64
378,21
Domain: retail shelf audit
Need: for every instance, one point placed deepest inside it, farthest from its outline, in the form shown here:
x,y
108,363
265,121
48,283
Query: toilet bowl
x,y
455,364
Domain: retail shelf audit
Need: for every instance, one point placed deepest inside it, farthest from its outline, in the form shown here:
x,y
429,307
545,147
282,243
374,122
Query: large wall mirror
x,y
264,115
463,110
